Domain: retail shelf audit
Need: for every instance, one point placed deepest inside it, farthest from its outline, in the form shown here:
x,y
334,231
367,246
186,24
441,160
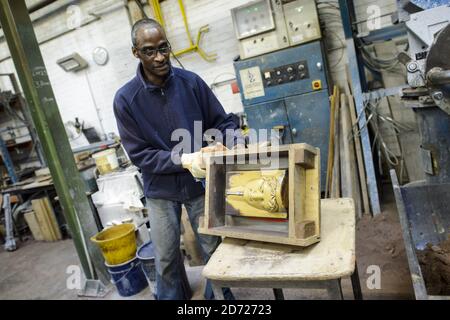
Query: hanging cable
x,y
373,118
173,54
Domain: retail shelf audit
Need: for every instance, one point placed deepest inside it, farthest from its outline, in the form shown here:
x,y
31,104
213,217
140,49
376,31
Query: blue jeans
x,y
165,220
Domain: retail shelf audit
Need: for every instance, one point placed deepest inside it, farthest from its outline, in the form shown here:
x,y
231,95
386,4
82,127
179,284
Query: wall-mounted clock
x,y
100,56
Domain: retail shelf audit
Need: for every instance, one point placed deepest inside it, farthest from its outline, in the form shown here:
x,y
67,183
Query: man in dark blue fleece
x,y
158,101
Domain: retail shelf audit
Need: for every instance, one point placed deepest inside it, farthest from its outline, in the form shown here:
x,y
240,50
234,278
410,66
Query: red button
x,y
234,87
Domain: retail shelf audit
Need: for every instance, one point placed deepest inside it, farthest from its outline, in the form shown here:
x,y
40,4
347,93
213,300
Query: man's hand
x,y
210,151
217,147
194,163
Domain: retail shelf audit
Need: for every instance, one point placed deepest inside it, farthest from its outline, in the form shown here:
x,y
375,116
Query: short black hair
x,y
144,23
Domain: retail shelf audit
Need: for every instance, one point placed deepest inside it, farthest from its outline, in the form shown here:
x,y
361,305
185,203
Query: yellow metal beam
x,y
183,14
193,47
154,4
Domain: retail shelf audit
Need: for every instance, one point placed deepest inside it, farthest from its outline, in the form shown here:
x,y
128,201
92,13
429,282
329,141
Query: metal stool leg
x,y
218,293
278,293
356,284
334,289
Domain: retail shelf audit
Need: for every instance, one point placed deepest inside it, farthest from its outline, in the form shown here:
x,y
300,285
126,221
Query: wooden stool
x,y
244,263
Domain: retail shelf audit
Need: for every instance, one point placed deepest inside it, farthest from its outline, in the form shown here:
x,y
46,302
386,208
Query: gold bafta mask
x,y
258,193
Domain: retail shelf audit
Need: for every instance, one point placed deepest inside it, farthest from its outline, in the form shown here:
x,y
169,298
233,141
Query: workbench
x,y
244,263
44,184
30,186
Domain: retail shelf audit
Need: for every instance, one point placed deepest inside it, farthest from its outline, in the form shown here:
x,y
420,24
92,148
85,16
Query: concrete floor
x,y
37,270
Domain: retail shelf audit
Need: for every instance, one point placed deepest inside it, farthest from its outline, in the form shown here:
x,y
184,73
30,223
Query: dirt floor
x,y
38,270
435,266
379,244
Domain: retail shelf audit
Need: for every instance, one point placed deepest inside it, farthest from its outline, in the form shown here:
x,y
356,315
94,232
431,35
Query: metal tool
x,y
10,244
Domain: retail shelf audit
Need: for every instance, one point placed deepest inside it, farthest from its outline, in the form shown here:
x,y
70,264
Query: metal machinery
x,y
424,205
20,149
284,90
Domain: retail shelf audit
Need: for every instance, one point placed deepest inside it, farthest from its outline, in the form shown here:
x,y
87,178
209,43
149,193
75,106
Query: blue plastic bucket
x,y
146,255
128,277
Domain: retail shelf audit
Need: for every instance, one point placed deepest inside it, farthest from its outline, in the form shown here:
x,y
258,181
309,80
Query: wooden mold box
x,y
302,225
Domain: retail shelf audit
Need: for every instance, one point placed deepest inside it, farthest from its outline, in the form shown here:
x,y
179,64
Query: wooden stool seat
x,y
244,263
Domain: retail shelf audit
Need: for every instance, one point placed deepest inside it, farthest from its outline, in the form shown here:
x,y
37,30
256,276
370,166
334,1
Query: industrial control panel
x,y
286,73
260,27
302,21
264,26
292,71
288,90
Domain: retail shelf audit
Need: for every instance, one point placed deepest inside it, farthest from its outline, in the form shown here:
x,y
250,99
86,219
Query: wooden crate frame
x,y
303,225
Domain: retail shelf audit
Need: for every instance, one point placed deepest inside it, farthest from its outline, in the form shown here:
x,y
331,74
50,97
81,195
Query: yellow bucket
x,y
118,243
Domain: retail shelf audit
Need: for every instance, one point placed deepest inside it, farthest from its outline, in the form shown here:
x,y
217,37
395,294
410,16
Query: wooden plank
x,y
354,166
345,183
43,212
79,157
42,172
257,235
52,218
306,229
336,178
329,176
358,151
330,145
349,182
312,194
42,219
47,219
304,158
214,206
33,224
297,195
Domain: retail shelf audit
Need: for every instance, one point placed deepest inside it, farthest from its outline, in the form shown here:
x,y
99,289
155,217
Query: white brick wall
x,y
112,31
79,94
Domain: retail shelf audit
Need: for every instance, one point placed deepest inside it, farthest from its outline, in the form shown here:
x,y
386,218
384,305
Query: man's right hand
x,y
217,147
194,163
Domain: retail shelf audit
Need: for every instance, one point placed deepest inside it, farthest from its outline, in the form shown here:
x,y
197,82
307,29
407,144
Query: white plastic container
x,y
106,161
118,198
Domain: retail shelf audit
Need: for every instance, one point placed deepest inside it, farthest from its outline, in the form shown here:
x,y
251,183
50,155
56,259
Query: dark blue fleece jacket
x,y
147,115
